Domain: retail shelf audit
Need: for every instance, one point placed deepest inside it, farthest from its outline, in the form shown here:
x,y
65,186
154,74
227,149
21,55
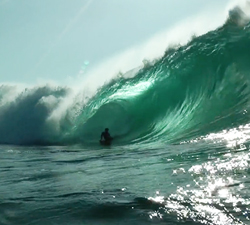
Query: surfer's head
x,y
106,129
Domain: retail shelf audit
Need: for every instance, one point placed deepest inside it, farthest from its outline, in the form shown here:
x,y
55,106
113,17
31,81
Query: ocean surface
x,y
181,149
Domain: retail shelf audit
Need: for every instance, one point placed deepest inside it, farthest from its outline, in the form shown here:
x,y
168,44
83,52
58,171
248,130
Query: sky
x,y
59,40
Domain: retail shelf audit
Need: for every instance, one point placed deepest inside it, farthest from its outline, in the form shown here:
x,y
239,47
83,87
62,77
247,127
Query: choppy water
x,y
180,153
194,183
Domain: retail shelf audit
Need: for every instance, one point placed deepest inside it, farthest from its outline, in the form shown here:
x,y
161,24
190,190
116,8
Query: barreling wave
x,y
192,90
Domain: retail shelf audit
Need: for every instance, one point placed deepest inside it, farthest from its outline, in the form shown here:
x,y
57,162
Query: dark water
x,y
194,183
180,153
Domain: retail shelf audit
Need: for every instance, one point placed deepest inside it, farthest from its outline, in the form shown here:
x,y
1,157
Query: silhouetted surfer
x,y
105,137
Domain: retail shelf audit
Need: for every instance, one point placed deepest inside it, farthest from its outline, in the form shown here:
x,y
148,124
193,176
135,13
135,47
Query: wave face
x,y
191,91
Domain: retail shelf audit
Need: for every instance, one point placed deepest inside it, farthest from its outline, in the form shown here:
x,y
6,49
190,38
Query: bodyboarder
x,y
105,136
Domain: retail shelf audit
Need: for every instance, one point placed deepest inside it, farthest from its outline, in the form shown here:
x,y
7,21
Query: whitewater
x,y
180,154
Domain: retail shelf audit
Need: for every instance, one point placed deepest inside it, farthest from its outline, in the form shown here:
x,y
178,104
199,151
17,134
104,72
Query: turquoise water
x,y
194,183
181,142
